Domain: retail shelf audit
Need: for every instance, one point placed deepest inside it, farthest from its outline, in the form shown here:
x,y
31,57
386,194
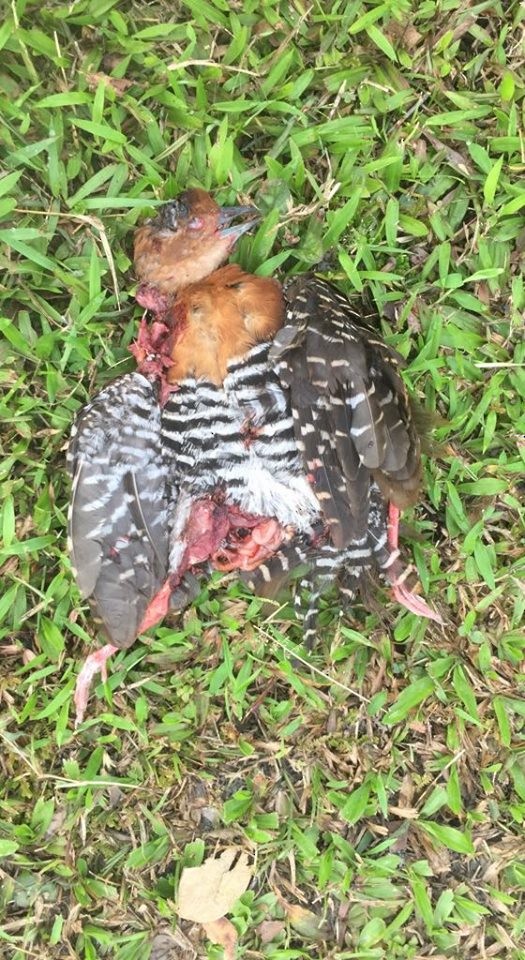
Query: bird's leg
x,y
95,663
159,605
393,526
412,602
400,591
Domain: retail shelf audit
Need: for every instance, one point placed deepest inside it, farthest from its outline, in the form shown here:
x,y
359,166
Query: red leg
x,y
399,591
95,663
393,526
412,602
158,607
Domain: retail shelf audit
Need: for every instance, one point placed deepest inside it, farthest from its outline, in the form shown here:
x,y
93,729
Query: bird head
x,y
187,240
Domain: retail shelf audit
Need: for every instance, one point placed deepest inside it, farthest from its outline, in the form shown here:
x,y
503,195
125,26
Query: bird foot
x,y
399,591
95,663
413,603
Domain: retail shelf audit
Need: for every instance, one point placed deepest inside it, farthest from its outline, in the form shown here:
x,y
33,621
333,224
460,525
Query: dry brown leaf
x,y
268,930
224,933
118,84
405,34
208,892
420,149
411,38
406,791
406,813
482,291
162,947
307,923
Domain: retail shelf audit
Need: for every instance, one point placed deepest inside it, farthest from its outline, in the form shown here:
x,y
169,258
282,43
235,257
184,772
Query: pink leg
x,y
399,591
157,608
413,603
393,526
95,663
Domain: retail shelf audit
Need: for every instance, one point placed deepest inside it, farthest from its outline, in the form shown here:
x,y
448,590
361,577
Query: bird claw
x,y
414,603
95,663
409,600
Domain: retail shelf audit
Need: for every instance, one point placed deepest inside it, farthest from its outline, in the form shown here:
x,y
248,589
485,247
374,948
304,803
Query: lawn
x,y
375,784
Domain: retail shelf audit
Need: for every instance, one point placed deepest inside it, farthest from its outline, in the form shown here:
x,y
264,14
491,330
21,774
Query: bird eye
x,y
170,215
195,223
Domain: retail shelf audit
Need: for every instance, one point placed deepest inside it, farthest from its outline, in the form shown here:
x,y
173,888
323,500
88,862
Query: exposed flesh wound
x,y
208,525
229,537
150,297
158,607
226,536
153,349
251,541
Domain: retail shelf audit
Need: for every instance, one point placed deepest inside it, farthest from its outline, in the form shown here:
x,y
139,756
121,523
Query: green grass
x,y
377,782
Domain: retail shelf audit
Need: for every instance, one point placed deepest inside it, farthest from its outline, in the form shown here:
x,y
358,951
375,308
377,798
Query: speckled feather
x,y
350,406
118,521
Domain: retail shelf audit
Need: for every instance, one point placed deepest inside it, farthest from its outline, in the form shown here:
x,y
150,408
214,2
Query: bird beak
x,y
227,214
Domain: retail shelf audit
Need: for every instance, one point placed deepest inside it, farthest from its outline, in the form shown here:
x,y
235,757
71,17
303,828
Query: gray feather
x,y
118,514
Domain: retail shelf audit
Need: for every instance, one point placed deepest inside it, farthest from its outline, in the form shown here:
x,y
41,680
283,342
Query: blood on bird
x,y
249,433
150,297
255,546
222,561
230,538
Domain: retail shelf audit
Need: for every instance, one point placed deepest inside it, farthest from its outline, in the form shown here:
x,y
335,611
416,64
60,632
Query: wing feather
x,y
352,414
118,512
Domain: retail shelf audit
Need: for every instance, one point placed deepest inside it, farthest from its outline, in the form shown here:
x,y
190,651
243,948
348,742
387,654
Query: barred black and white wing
x,y
350,407
118,528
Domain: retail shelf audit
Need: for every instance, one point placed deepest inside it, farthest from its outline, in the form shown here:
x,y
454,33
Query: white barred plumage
x,y
329,428
268,431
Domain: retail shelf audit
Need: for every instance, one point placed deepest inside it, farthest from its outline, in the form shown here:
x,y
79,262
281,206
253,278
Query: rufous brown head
x,y
188,239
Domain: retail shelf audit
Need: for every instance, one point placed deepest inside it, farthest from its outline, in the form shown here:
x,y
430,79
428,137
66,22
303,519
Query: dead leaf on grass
x,y
454,158
208,892
268,930
118,84
224,933
308,924
406,813
405,34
